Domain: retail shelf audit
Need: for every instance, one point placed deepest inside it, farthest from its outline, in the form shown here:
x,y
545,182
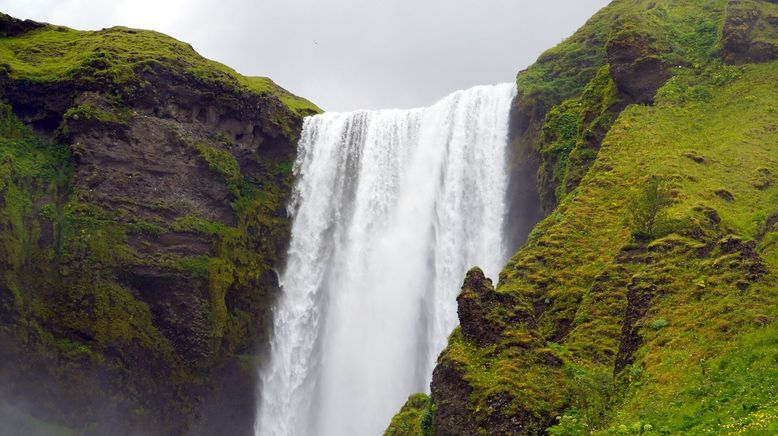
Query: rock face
x,y
142,211
570,97
450,391
474,307
635,65
12,27
750,31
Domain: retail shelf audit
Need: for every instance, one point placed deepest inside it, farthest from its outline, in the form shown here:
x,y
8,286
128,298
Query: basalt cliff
x,y
143,202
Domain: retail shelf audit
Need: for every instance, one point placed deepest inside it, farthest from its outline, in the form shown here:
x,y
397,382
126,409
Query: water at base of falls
x,y
391,208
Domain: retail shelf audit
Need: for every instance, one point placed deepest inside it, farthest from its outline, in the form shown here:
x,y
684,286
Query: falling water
x,y
391,208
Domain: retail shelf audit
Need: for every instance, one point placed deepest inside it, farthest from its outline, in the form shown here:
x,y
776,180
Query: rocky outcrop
x,y
570,97
636,65
474,306
10,26
750,31
450,393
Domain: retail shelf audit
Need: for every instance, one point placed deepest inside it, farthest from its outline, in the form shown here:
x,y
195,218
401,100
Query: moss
x,y
197,266
118,56
415,418
196,224
572,133
66,299
567,100
241,258
508,373
266,85
221,275
86,285
640,325
750,31
223,163
90,112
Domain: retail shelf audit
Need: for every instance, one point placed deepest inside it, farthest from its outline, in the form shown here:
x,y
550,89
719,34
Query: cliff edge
x,y
142,211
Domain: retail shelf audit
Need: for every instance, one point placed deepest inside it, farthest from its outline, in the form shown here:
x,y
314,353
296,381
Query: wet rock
x,y
180,307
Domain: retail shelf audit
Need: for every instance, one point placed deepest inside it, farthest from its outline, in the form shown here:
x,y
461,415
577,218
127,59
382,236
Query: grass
x,y
684,31
118,56
704,323
708,311
566,95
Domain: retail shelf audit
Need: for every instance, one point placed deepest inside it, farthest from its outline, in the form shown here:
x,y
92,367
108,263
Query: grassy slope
x,y
56,53
713,366
572,264
680,33
705,356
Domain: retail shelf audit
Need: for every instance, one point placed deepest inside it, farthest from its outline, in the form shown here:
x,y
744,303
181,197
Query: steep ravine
x,y
142,211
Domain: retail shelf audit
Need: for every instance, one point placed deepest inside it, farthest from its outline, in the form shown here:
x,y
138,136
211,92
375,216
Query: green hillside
x,y
603,323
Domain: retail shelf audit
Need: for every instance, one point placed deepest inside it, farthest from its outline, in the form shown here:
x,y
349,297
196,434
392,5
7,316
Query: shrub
x,y
647,209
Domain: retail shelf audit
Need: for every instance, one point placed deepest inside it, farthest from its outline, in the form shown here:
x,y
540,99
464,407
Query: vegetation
x,y
569,96
642,303
125,58
661,313
416,415
569,140
647,209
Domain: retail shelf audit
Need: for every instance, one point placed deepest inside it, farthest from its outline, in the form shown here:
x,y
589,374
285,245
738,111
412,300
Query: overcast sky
x,y
345,54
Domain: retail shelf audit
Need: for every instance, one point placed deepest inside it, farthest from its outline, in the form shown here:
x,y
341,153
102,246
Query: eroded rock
x,y
476,304
636,67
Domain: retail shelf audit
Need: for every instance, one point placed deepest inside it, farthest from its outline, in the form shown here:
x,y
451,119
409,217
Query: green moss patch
x,y
117,56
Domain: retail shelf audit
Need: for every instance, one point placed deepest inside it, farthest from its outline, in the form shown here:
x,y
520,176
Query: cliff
x,y
142,211
645,301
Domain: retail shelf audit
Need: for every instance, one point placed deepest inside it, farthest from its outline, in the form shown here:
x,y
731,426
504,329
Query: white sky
x,y
345,54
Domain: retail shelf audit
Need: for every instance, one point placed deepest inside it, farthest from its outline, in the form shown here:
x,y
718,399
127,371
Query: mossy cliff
x,y
600,324
142,211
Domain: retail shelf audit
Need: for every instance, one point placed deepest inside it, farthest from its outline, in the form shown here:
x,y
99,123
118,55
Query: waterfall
x,y
391,208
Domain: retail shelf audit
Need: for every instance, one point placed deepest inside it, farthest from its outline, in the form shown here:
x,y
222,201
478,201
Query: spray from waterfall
x,y
391,208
